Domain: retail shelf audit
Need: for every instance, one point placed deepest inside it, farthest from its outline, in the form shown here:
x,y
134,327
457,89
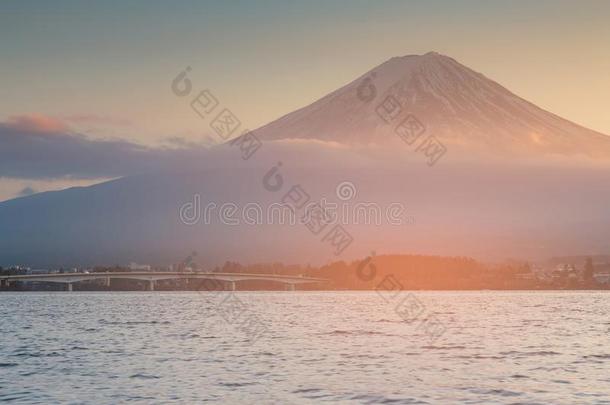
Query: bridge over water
x,y
229,279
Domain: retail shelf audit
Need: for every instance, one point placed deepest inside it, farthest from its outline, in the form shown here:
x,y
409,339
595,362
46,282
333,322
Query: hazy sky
x,y
266,58
106,68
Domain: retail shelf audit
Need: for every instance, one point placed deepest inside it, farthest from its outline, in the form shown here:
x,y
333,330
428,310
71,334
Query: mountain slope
x,y
459,106
480,211
486,208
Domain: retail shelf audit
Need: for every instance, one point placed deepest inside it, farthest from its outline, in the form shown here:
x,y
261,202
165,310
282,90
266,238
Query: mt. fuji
x,y
527,183
462,108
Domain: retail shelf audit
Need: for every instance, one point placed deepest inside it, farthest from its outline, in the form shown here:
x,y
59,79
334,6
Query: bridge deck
x,y
154,276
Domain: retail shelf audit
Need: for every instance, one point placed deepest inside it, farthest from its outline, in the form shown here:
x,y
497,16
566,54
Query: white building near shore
x,y
139,267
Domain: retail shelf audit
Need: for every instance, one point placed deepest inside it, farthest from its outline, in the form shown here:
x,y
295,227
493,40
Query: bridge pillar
x,y
1,283
107,282
290,287
69,287
231,285
151,285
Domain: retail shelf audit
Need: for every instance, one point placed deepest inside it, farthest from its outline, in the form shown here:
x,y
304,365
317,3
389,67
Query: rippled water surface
x,y
350,347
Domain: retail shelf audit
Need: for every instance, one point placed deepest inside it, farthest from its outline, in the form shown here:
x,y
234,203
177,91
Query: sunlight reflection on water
x,y
499,347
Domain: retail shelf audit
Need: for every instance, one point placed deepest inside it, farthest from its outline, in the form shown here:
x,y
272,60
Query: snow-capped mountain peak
x,y
454,103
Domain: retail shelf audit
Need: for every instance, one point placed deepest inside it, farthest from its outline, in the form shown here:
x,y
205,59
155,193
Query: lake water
x,y
305,347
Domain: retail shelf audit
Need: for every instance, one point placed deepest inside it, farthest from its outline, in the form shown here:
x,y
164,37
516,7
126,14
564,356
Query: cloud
x,y
94,119
26,191
36,123
39,147
36,147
